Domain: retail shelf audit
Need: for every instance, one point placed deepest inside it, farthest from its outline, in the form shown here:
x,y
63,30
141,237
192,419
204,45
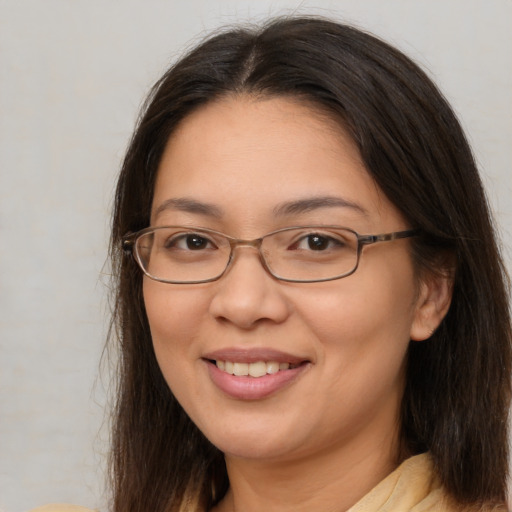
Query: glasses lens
x,y
311,253
179,255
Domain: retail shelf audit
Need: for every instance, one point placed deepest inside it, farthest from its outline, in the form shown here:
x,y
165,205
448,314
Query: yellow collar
x,y
412,487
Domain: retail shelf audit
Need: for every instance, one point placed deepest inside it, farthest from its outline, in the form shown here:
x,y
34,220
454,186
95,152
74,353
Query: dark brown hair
x,y
457,392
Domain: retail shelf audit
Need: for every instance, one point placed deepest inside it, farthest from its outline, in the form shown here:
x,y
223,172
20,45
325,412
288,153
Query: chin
x,y
252,443
253,450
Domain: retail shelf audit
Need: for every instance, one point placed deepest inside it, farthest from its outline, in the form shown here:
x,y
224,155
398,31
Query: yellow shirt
x,y
412,487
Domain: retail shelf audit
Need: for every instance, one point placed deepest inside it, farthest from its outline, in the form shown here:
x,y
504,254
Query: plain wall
x,y
72,77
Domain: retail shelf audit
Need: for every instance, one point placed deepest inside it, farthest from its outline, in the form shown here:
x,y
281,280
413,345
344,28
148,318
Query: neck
x,y
331,481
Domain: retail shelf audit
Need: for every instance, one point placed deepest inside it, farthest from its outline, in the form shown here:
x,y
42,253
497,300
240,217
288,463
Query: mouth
x,y
254,374
256,370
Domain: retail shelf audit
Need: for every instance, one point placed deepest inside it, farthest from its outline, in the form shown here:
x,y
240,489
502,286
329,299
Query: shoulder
x,y
415,487
62,507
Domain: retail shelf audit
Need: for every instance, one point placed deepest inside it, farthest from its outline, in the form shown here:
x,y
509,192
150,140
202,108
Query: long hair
x,y
457,391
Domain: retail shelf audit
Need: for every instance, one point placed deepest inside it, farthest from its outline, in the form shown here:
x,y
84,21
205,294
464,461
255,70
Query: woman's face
x,y
246,167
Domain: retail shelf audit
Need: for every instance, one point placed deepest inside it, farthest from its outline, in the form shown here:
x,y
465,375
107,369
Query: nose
x,y
247,294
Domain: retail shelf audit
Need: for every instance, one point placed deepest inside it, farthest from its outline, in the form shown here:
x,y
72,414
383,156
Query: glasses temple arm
x,y
385,237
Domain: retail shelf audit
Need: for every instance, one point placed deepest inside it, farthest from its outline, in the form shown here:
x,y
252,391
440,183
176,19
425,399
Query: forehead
x,y
287,116
238,126
245,154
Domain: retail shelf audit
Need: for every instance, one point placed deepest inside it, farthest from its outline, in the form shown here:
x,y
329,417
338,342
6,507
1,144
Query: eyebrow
x,y
314,203
298,206
189,205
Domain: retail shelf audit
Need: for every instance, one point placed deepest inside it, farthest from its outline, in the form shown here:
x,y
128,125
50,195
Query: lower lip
x,y
253,388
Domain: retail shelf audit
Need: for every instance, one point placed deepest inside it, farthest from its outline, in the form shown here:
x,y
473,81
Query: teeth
x,y
241,369
272,367
258,369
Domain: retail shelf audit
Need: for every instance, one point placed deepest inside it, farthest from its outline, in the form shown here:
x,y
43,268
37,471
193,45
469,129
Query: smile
x,y
256,369
254,374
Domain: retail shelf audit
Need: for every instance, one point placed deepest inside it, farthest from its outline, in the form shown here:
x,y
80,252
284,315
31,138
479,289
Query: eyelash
x,y
330,240
175,240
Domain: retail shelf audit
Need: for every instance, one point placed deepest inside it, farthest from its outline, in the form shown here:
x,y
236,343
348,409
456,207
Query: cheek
x,y
362,309
362,335
174,318
362,324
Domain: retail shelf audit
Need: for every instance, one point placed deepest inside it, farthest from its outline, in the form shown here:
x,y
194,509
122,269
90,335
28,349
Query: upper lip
x,y
253,355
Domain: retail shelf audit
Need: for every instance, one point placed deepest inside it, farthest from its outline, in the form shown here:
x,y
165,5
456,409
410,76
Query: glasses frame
x,y
129,245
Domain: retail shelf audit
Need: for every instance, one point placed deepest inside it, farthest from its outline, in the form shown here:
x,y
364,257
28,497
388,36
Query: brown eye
x,y
195,242
317,242
189,242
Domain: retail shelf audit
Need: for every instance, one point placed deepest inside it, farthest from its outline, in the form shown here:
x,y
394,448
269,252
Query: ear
x,y
433,301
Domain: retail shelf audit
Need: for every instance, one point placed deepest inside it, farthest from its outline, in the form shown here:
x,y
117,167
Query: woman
x,y
273,355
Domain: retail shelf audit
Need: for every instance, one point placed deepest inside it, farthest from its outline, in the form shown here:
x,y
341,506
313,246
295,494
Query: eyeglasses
x,y
299,254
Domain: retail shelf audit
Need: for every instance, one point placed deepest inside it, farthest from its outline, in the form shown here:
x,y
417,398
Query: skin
x,y
329,436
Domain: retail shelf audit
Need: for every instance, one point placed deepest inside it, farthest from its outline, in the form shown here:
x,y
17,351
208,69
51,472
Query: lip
x,y
254,355
250,388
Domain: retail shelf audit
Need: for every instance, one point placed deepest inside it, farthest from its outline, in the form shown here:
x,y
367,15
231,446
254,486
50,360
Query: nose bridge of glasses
x,y
239,242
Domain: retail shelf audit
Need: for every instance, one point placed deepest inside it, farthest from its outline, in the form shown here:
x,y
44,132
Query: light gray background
x,y
72,76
